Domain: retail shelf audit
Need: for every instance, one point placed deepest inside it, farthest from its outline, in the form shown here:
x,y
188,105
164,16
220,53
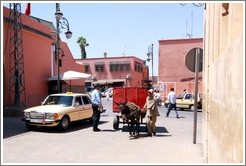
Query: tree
x,y
82,43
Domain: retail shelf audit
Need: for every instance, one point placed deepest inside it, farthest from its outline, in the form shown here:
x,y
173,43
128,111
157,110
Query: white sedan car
x,y
59,110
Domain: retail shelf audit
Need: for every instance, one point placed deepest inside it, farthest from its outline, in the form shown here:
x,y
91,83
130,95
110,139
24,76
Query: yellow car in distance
x,y
59,110
186,101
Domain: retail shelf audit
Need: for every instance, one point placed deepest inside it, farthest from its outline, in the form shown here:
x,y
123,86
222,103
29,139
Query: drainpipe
x,y
52,50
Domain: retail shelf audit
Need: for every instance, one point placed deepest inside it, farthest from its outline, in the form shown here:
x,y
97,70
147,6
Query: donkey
x,y
131,114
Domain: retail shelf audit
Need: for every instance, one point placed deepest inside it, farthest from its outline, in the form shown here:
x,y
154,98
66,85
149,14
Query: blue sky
x,y
122,29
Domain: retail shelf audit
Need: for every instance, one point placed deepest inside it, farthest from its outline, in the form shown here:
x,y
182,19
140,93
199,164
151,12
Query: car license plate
x,y
36,120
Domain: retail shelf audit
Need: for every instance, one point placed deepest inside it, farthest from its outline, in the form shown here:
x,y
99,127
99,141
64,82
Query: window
x,y
119,65
138,67
86,100
78,100
86,69
99,68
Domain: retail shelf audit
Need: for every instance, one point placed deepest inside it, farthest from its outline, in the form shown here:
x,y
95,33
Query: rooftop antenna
x,y
124,53
191,33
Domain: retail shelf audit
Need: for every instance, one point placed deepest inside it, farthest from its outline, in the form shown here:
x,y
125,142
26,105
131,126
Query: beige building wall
x,y
223,83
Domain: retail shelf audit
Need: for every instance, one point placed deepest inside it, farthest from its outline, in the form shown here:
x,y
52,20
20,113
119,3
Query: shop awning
x,y
70,75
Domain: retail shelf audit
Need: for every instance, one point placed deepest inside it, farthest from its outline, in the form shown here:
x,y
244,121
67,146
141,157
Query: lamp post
x,y
61,23
150,57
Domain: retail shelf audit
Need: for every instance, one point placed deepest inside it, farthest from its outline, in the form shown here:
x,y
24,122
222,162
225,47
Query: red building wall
x,y
107,75
37,60
172,69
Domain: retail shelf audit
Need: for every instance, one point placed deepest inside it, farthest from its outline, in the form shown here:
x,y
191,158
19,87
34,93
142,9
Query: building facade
x,y
124,71
224,88
38,38
172,69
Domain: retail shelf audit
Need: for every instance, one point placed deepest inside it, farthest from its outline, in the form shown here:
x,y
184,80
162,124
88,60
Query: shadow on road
x,y
13,126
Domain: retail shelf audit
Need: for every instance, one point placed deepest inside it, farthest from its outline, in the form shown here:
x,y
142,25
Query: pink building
x,y
39,62
128,71
172,69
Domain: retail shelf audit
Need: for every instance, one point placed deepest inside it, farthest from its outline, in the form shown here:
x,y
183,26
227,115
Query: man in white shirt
x,y
172,102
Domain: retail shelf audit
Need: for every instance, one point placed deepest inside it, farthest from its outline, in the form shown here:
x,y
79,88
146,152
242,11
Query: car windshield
x,y
59,100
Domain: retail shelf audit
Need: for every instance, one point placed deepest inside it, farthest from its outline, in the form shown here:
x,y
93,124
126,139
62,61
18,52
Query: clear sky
x,y
123,28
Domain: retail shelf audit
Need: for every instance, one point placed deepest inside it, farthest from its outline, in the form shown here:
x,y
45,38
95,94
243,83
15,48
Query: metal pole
x,y
57,49
152,65
197,58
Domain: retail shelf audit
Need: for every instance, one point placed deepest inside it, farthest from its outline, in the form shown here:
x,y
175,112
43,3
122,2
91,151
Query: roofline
x,y
119,57
186,39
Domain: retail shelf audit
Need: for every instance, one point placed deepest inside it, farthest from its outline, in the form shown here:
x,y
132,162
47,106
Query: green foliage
x,y
82,43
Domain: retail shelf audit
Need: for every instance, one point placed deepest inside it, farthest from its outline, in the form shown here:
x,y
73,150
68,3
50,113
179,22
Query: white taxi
x,y
59,110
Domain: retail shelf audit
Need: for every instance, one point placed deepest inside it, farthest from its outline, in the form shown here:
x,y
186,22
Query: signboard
x,y
190,59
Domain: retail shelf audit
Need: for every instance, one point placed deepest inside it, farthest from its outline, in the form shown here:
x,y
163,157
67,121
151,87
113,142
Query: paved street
x,y
173,143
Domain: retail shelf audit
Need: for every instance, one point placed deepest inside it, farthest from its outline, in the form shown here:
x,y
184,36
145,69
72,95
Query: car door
x,y
188,100
78,108
87,107
180,101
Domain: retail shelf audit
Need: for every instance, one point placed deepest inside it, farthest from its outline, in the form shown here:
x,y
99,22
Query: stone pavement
x,y
173,143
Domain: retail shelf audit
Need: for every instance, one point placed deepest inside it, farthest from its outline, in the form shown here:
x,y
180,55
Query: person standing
x,y
107,94
96,106
151,113
172,102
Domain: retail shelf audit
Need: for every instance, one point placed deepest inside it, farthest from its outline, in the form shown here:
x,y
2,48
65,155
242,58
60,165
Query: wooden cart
x,y
136,95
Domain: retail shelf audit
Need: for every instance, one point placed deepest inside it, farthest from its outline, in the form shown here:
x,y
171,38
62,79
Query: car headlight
x,y
51,116
26,114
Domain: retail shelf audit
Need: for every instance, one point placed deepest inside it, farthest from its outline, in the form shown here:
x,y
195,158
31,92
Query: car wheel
x,y
31,127
192,107
64,123
116,122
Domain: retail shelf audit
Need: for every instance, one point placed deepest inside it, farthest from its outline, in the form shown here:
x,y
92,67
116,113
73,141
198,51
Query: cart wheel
x,y
116,122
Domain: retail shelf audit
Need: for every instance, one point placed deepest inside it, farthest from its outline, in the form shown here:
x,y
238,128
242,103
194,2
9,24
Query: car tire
x,y
64,123
192,108
116,122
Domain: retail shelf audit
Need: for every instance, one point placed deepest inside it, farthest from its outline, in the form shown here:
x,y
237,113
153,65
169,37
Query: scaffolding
x,y
17,92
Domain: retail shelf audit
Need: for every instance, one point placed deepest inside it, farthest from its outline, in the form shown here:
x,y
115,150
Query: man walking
x,y
172,102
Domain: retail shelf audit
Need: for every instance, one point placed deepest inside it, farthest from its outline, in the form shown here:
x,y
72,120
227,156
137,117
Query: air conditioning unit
x,y
128,76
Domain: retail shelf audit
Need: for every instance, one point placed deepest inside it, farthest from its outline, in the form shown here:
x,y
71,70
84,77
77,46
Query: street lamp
x,y
61,23
150,57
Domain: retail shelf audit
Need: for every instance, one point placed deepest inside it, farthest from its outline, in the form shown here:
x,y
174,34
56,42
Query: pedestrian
x,y
172,102
107,94
96,106
151,111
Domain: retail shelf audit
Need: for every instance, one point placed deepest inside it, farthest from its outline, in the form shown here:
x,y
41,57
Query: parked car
x,y
186,101
59,110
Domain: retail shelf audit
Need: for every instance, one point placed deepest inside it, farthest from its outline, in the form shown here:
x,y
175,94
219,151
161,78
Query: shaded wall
x,y
223,109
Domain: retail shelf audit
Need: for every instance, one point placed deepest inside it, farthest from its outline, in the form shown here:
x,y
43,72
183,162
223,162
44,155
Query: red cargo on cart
x,y
137,95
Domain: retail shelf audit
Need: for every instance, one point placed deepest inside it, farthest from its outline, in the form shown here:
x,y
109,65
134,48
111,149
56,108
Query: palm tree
x,y
82,43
